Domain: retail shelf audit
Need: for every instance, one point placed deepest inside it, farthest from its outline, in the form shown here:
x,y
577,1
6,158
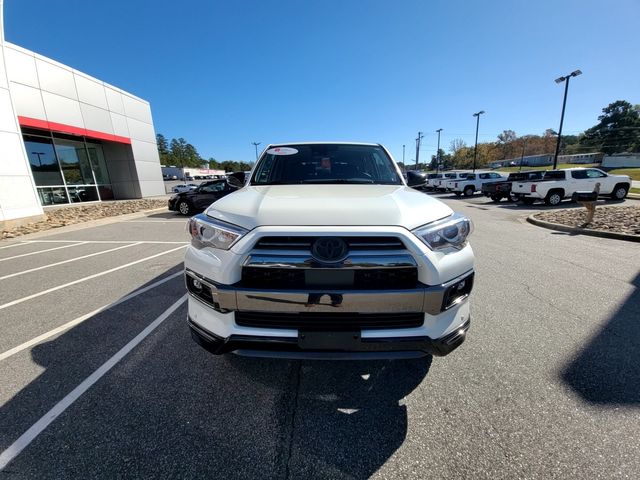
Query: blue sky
x,y
223,74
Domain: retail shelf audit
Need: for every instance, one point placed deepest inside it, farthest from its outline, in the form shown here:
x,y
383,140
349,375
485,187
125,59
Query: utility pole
x,y
438,151
418,141
403,165
475,149
524,144
255,144
565,79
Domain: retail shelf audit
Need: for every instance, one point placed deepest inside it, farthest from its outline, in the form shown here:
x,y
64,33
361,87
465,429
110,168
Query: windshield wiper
x,y
338,180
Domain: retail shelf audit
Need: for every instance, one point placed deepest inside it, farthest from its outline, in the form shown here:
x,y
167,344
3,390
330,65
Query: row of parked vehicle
x,y
550,186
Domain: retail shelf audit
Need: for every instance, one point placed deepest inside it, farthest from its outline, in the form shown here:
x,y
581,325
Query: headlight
x,y
448,232
208,232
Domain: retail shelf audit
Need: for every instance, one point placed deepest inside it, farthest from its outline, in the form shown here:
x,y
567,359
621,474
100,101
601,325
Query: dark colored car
x,y
499,190
200,198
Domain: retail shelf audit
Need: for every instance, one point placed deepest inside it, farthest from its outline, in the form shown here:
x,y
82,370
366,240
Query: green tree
x,y
618,129
163,148
178,152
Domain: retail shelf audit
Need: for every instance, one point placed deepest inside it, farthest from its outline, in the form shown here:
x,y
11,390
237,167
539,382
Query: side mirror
x,y
236,180
415,179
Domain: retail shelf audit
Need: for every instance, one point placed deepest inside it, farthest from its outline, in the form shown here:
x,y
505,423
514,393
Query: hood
x,y
330,205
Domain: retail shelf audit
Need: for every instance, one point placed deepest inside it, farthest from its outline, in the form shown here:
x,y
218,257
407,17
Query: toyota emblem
x,y
329,249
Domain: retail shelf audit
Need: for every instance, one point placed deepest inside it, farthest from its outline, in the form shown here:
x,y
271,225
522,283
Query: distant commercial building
x,y
66,137
581,158
547,159
182,173
622,160
529,161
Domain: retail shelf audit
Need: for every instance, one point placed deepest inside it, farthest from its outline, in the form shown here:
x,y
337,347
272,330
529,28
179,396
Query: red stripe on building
x,y
63,128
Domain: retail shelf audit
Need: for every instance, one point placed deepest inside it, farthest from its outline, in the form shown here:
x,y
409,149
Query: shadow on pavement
x,y
170,409
350,418
68,359
607,370
347,418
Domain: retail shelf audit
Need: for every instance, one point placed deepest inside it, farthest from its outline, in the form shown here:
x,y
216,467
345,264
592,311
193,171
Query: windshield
x,y
326,164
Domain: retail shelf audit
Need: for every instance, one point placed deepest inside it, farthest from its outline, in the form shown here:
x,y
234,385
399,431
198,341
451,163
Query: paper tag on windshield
x,y
282,151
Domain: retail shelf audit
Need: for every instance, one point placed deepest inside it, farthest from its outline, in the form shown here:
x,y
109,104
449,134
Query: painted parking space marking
x,y
82,318
89,277
27,437
14,245
79,242
150,242
11,275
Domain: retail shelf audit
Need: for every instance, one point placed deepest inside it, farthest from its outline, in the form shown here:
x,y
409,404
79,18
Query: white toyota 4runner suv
x,y
327,253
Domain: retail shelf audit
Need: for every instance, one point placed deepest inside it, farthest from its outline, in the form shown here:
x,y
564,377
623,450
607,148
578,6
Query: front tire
x,y
184,207
468,191
619,192
496,198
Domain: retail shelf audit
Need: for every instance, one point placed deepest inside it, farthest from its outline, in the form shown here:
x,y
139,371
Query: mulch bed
x,y
59,217
613,219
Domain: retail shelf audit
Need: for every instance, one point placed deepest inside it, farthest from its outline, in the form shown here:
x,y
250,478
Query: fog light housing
x,y
457,292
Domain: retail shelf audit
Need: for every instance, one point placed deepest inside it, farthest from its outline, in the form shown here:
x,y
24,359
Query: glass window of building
x,y
44,163
100,172
76,169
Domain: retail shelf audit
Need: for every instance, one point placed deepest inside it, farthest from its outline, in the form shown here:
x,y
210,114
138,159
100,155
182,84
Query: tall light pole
x,y
438,151
565,79
418,141
403,165
255,144
475,149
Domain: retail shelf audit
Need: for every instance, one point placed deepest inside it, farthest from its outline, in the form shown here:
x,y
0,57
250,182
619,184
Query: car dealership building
x,y
66,137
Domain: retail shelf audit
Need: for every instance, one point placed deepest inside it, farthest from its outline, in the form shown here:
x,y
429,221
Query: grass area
x,y
634,173
634,190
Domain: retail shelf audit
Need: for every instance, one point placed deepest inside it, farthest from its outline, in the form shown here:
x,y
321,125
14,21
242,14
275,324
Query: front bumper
x,y
428,299
355,347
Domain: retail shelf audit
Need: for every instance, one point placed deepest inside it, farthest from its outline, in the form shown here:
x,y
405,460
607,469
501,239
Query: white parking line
x,y
77,321
84,279
109,241
37,428
157,221
43,251
13,245
67,261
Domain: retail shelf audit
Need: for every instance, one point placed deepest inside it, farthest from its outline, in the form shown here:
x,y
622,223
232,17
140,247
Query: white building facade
x,y
66,137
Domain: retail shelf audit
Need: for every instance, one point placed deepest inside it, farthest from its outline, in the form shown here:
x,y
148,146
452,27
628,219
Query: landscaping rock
x,y
613,219
69,215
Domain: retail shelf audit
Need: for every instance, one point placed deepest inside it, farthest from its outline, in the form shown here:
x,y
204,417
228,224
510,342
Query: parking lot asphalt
x,y
99,377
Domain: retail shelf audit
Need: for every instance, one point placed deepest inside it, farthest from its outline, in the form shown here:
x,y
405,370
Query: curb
x,y
635,196
582,231
82,225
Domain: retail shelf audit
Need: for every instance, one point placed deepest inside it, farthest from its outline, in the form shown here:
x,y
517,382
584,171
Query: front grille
x,y
329,322
364,279
354,243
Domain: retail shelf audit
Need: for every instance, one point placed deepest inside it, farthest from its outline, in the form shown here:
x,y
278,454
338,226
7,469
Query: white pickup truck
x,y
327,253
472,182
439,184
557,185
